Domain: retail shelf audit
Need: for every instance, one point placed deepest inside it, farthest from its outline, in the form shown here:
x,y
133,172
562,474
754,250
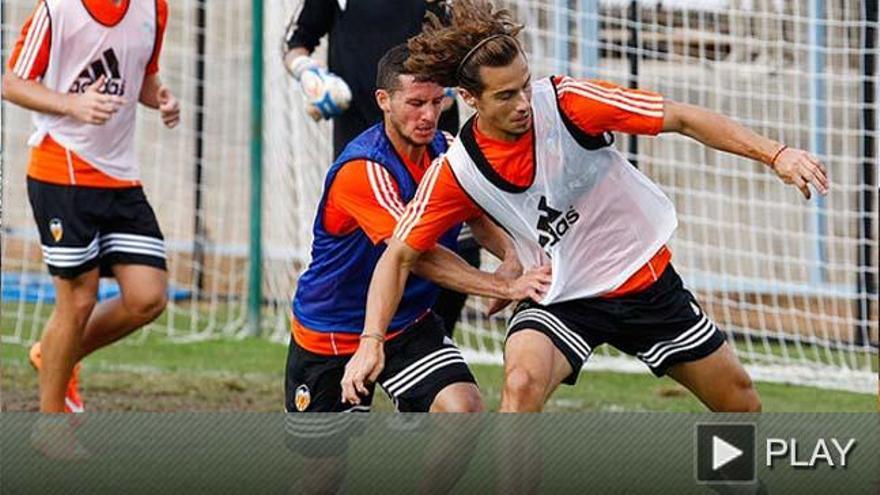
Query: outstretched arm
x,y
793,166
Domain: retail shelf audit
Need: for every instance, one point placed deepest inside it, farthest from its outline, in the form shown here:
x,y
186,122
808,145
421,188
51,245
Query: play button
x,y
725,452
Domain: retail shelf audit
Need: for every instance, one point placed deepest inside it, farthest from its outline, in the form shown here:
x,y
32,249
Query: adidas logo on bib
x,y
553,224
108,66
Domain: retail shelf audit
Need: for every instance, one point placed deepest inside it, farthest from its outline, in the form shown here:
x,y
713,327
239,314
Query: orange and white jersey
x,y
76,47
576,203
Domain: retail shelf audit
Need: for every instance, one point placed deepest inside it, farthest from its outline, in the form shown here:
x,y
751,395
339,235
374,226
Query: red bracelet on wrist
x,y
773,160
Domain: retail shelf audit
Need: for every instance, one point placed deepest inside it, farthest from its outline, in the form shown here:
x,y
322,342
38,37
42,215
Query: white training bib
x,y
83,49
589,213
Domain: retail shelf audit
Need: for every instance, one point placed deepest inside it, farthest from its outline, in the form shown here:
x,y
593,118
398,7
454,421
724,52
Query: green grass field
x,y
156,374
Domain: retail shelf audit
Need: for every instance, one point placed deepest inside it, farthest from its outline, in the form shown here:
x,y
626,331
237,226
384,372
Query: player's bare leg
x,y
458,397
533,368
456,438
61,344
719,381
143,298
321,475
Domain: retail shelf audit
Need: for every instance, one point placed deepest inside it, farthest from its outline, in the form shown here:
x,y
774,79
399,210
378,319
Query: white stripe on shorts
x,y
417,371
686,346
132,243
574,341
658,348
68,257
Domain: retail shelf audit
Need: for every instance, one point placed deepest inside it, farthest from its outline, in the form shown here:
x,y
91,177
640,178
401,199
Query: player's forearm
x,y
149,96
718,132
491,237
387,285
32,95
446,269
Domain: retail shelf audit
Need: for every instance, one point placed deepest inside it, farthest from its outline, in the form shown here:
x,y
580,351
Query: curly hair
x,y
477,35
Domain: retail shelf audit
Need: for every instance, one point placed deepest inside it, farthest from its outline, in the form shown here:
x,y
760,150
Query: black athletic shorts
x,y
419,363
86,227
661,325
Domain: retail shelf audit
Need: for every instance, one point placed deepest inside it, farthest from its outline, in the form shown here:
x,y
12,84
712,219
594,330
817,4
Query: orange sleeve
x,y
598,106
438,205
363,195
161,22
30,54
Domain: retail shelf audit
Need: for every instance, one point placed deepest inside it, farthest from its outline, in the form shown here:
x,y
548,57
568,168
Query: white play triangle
x,y
723,453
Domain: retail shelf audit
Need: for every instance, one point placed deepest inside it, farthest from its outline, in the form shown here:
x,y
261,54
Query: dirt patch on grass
x,y
152,391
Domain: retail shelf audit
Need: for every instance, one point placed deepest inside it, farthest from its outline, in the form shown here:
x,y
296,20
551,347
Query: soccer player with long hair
x,y
538,159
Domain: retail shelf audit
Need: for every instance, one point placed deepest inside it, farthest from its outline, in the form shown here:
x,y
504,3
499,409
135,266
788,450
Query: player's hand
x,y
507,271
326,94
362,370
169,107
533,284
801,169
92,106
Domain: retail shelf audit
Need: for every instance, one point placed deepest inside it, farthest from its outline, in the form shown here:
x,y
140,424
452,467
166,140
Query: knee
x,y
755,404
744,398
468,403
750,401
458,398
523,391
147,305
471,403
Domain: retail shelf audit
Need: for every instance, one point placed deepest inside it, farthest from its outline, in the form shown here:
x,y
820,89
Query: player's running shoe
x,y
73,403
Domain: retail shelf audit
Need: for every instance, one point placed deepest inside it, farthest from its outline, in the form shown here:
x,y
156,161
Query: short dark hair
x,y
391,67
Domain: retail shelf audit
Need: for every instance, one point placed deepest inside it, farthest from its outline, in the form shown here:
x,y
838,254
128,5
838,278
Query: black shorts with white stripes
x,y
86,227
662,325
419,363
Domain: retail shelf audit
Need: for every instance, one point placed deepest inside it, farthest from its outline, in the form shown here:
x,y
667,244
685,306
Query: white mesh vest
x,y
588,212
82,49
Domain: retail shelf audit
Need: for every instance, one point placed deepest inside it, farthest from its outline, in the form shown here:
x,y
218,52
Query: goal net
x,y
792,282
